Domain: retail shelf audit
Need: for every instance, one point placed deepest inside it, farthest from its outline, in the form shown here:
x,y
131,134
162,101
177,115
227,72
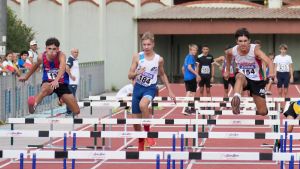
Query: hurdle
x,y
143,134
203,99
149,155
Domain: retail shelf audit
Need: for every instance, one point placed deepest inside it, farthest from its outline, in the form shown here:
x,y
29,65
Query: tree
x,y
19,35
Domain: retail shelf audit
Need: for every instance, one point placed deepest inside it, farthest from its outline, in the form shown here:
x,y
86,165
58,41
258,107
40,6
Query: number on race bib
x,y
205,70
51,75
144,79
283,67
249,72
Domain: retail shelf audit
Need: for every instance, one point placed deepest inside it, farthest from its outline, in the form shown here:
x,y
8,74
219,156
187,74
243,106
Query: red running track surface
x,y
210,144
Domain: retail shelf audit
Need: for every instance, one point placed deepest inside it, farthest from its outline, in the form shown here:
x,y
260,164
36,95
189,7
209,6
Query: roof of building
x,y
228,12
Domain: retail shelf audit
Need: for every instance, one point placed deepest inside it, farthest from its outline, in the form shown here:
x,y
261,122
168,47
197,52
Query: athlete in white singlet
x,y
248,58
145,68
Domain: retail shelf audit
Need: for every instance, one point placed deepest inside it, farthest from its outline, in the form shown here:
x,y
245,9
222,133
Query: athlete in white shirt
x,y
284,72
144,69
248,58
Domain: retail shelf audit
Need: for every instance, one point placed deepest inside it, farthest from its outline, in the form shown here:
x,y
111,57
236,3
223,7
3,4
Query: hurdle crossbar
x,y
150,155
153,121
143,134
216,99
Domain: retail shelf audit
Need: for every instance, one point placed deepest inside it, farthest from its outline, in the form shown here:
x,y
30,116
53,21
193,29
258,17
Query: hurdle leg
x,y
186,139
103,139
152,111
12,138
197,128
125,127
110,129
91,108
51,126
95,138
194,139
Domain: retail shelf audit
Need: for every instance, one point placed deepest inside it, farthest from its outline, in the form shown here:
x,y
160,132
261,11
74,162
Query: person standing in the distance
x,y
72,68
54,77
269,80
231,79
33,54
145,68
284,72
191,76
206,70
248,58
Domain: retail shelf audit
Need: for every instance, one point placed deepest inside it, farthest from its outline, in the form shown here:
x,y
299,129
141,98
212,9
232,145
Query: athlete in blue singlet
x,y
145,68
54,80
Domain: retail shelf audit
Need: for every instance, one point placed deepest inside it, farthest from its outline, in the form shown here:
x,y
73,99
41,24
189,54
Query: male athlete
x,y
248,58
145,68
54,79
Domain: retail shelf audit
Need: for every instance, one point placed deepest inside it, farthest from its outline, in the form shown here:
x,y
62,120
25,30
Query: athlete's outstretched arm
x,y
218,59
33,69
62,66
261,55
164,78
132,70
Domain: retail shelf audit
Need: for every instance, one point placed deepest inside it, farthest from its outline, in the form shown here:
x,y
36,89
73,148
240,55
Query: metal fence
x,y
14,94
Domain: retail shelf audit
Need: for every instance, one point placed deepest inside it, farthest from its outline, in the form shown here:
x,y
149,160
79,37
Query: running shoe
x,y
235,104
31,104
150,142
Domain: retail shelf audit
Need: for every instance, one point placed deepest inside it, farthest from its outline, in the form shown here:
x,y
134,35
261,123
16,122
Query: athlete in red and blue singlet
x,y
54,80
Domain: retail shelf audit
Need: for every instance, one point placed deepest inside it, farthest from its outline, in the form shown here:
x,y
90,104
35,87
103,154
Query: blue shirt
x,y
21,63
189,60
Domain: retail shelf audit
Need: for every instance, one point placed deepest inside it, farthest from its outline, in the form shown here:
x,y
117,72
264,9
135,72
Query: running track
x,y
210,144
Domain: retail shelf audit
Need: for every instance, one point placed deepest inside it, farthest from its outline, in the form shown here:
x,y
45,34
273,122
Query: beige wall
x,y
78,25
45,19
120,47
84,30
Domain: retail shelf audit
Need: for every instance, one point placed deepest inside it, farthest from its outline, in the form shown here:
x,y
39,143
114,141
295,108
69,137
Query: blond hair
x,y
193,46
148,36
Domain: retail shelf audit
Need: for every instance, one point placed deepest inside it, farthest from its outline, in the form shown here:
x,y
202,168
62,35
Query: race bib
x,y
52,74
248,70
205,70
145,79
283,68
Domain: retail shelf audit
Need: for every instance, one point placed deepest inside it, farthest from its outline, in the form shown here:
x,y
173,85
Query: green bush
x,y
18,34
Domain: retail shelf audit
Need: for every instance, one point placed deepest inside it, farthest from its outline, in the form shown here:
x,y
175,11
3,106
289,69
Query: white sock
x,y
237,94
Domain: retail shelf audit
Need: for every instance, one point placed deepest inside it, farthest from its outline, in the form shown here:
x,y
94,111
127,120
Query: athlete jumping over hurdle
x,y
145,68
54,80
248,58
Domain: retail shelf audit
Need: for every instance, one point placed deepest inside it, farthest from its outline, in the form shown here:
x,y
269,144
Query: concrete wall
x,y
15,7
84,30
120,48
45,19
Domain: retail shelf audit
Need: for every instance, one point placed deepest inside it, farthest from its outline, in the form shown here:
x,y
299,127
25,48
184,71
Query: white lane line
x,y
130,141
297,89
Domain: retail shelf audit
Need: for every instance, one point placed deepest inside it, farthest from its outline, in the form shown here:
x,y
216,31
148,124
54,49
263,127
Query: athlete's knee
x,y
262,112
239,76
46,89
76,110
144,105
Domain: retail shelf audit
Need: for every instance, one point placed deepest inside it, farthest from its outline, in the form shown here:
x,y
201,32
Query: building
x,y
109,29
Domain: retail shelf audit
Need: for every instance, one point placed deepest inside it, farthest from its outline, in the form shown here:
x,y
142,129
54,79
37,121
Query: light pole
x,y
3,26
